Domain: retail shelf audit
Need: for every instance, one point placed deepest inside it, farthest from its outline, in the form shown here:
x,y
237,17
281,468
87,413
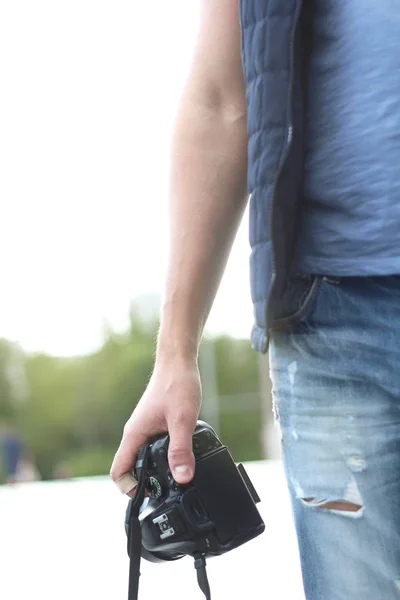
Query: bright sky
x,y
89,91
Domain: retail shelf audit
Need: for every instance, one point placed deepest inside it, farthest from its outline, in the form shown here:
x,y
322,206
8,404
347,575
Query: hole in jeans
x,y
341,505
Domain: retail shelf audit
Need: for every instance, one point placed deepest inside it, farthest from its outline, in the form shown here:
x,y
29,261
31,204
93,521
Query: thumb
x,y
180,454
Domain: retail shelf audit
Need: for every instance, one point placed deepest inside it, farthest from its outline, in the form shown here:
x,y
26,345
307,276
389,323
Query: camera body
x,y
213,514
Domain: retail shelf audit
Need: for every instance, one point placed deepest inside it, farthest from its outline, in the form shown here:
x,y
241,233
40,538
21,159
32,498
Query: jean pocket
x,y
298,300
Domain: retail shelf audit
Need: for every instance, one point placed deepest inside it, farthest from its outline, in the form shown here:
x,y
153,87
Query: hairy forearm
x,y
207,199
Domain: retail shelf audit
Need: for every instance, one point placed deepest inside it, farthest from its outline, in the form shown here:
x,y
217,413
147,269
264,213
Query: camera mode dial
x,y
154,488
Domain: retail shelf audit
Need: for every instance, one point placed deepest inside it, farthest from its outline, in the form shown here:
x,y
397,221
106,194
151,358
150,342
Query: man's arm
x,y
208,179
207,199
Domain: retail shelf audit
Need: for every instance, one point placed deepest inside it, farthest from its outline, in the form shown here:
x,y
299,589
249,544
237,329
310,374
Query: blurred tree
x,y
76,408
6,400
8,393
239,397
46,420
112,383
237,366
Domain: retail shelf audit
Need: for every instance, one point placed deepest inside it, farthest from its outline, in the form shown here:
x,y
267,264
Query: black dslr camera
x,y
213,514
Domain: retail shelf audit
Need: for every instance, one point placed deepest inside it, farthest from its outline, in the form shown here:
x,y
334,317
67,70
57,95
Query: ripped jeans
x,y
335,369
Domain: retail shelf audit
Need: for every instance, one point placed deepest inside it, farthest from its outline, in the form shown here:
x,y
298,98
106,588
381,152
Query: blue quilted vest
x,y
275,51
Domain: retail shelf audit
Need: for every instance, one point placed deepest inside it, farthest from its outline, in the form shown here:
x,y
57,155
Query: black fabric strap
x,y
135,533
135,541
135,546
202,579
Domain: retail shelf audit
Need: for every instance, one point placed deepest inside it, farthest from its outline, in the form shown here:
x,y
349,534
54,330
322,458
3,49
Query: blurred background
x,y
90,89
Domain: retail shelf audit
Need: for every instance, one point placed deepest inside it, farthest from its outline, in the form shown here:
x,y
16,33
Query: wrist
x,y
179,335
173,349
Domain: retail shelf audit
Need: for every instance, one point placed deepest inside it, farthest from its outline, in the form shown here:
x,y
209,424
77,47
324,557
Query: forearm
x,y
207,199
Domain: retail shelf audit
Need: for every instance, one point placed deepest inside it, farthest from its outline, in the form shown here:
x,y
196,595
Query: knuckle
x,y
178,452
181,418
127,429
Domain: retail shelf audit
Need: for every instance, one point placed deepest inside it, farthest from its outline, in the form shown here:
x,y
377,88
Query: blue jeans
x,y
335,369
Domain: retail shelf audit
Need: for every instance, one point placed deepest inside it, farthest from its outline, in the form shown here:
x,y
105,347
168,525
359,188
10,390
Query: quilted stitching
x,y
266,32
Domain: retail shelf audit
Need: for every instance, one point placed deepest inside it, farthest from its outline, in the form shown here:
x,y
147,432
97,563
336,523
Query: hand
x,y
171,403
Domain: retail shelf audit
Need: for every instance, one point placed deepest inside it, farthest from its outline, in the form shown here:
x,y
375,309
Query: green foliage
x,y
74,410
7,357
241,432
89,462
240,402
237,367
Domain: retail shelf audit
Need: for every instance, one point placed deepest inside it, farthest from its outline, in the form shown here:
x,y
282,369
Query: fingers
x,y
125,457
126,484
180,454
140,428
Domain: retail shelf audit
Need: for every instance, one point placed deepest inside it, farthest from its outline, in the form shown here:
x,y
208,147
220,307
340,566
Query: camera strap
x,y
135,531
135,537
202,579
134,550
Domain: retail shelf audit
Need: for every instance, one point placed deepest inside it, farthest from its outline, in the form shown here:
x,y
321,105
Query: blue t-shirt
x,y
351,223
